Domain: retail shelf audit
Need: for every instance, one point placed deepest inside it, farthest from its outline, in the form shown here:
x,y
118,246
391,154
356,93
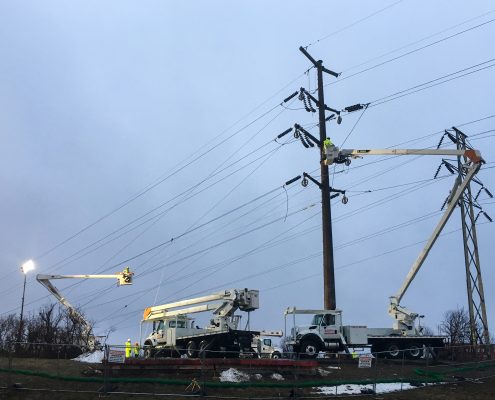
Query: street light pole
x,y
25,268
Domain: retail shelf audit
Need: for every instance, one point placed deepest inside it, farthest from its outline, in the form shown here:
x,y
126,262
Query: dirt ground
x,y
460,381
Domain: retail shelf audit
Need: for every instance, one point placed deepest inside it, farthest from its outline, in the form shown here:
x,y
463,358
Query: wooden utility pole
x,y
326,212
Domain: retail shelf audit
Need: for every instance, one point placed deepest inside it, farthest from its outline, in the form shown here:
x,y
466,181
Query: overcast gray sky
x,y
153,118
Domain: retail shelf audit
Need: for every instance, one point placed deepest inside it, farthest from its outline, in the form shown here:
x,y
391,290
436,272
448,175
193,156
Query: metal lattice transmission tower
x,y
476,297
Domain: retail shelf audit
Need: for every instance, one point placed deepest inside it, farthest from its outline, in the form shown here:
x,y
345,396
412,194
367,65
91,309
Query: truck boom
x,y
124,278
175,334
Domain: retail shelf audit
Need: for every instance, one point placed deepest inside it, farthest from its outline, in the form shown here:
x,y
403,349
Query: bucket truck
x,y
175,333
89,340
263,345
327,332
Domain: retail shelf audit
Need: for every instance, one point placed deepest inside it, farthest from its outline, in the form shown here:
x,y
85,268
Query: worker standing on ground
x,y
128,348
136,350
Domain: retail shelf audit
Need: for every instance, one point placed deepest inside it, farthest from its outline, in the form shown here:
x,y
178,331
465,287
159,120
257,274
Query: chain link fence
x,y
63,371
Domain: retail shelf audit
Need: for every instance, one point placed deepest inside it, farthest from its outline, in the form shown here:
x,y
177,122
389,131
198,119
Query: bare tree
x,y
427,331
51,325
9,329
456,326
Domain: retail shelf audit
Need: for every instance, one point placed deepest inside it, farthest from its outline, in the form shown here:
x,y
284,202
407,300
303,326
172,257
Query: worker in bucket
x,y
136,350
328,146
128,348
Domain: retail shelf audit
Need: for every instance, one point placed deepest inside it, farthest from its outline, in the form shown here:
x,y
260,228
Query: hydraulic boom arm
x,y
231,300
335,155
124,278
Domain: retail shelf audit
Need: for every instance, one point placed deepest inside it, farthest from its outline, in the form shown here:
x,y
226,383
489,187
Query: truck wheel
x,y
203,346
393,350
148,352
414,351
276,355
310,348
191,349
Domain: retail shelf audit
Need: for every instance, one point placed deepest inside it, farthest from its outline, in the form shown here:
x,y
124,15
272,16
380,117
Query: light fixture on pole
x,y
25,268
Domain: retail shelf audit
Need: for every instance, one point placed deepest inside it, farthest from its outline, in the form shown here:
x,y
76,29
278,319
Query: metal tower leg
x,y
476,297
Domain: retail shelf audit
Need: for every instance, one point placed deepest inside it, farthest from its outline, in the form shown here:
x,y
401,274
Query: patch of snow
x,y
333,367
233,375
91,357
358,389
258,376
323,372
277,377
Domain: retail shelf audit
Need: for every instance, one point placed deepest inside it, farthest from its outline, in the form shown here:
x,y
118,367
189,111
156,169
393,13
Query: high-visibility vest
x,y
128,349
136,350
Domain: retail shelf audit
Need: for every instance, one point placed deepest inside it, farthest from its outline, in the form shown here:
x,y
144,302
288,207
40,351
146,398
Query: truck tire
x,y
276,355
149,351
393,350
192,349
310,347
203,347
414,351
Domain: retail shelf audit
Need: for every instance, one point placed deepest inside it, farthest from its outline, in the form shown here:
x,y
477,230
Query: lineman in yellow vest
x,y
327,146
136,350
327,143
128,348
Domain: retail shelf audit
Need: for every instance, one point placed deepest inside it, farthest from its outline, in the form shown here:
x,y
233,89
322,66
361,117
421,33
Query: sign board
x,y
116,356
365,361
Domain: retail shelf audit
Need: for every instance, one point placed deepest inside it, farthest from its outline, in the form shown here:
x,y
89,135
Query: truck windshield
x,y
323,319
177,324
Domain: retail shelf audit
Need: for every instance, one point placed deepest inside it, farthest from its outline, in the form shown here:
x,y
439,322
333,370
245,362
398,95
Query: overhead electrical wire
x,y
418,41
179,201
236,152
353,24
178,168
159,216
169,242
299,279
380,232
425,85
345,77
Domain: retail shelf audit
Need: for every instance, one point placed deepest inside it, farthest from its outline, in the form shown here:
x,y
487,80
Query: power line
x,y
354,23
186,196
353,242
419,41
411,52
409,91
299,279
174,170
